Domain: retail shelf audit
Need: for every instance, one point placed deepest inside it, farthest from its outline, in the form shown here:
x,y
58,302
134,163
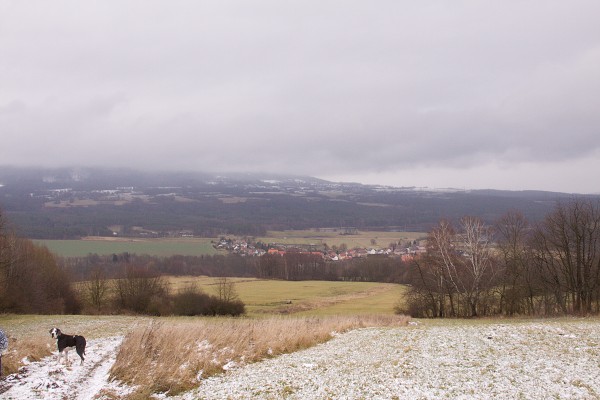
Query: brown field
x,y
363,239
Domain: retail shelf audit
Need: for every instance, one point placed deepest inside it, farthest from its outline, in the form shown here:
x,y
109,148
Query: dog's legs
x,y
66,351
80,354
62,354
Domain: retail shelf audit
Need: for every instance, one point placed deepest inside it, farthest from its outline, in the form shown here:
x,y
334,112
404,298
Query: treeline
x,y
293,266
33,281
511,267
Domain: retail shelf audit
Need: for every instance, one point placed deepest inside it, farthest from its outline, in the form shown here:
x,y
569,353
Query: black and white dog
x,y
65,342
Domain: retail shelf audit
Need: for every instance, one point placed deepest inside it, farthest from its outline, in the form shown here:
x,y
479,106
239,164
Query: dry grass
x,y
32,348
171,357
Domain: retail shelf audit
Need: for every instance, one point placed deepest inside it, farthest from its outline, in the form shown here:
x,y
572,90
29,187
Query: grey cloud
x,y
302,87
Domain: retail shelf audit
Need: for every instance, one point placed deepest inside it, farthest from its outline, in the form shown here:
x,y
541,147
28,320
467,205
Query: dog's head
x,y
55,333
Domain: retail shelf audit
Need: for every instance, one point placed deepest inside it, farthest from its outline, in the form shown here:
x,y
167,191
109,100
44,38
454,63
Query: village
x,y
247,248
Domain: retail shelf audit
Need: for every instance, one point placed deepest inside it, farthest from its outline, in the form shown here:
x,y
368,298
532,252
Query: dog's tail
x,y
80,344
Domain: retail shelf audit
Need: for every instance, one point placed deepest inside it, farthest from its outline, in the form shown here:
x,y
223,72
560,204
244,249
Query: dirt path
x,y
47,379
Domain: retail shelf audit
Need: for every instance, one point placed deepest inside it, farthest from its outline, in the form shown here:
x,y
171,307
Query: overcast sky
x,y
466,94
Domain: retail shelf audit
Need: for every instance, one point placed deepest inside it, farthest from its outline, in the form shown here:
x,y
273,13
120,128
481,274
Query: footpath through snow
x,y
47,379
430,360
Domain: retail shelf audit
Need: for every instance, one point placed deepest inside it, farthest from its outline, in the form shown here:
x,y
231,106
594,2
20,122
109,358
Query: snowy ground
x,y
456,360
430,360
47,379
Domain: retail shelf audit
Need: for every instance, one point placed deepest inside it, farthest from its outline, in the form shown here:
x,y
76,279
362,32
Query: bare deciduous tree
x,y
519,283
226,290
475,239
458,270
137,287
96,287
567,245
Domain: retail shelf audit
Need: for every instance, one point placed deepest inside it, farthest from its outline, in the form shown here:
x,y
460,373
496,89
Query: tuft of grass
x,y
172,357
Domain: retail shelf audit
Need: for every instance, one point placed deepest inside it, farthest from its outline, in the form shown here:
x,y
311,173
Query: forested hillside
x,y
71,203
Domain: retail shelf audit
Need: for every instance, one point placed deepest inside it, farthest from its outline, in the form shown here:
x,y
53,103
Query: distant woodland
x,y
69,204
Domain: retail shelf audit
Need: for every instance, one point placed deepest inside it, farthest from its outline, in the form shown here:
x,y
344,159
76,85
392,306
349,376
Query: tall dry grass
x,y
32,348
175,356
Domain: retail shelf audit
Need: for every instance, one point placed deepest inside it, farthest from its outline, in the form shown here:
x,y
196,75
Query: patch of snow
x,y
230,365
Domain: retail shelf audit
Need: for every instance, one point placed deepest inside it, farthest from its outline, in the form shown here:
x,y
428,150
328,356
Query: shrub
x,y
224,307
192,301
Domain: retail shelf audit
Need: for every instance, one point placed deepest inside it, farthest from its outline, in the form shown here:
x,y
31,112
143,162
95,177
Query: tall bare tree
x,y
476,242
138,286
96,287
458,272
568,254
226,290
518,287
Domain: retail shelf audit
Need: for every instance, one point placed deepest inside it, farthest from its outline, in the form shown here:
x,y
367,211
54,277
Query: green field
x,y
154,247
263,297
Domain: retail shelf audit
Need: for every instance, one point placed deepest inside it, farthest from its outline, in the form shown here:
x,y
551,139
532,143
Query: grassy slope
x,y
306,297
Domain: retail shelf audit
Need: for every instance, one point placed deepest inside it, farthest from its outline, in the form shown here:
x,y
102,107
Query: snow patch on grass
x,y
529,360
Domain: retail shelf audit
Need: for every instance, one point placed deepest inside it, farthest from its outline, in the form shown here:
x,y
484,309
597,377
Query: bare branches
x,y
568,246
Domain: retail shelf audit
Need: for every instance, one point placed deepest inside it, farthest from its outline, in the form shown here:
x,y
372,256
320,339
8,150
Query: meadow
x,y
164,247
305,298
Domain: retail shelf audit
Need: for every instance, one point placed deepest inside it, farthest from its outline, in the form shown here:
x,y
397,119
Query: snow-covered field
x,y
428,360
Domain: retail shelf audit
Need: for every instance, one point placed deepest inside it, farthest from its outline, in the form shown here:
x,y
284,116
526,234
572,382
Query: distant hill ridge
x,y
75,202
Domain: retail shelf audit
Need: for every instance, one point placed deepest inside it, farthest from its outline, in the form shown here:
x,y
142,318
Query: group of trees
x,y
142,290
511,267
293,266
31,281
